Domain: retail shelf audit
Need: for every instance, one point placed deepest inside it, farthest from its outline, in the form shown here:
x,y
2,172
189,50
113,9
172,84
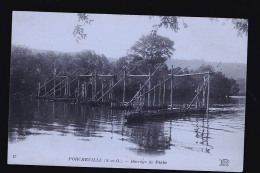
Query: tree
x,y
79,30
241,25
220,85
151,50
171,22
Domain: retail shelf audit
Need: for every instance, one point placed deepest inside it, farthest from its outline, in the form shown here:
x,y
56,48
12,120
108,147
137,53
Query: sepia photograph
x,y
127,91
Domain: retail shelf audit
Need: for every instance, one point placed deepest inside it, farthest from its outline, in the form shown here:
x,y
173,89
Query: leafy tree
x,y
241,25
220,85
79,30
151,50
29,67
171,22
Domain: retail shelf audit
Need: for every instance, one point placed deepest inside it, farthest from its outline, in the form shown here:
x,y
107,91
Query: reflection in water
x,y
29,118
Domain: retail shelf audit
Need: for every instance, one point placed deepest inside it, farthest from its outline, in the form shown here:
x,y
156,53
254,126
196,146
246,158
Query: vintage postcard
x,y
127,91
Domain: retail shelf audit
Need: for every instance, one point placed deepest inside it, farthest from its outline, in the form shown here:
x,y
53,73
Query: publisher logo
x,y
224,162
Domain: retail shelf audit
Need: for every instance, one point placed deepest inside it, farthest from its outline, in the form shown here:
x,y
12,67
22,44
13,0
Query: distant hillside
x,y
230,70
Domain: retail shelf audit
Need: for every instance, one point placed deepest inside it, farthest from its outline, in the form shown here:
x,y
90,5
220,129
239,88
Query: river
x,y
59,133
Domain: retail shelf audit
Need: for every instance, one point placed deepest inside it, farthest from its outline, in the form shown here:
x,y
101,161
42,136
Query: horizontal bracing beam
x,y
131,75
99,75
60,76
192,74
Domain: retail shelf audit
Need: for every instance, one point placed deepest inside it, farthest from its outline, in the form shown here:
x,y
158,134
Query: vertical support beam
x,y
39,89
44,87
78,87
124,84
92,87
65,89
69,85
164,91
171,85
140,93
149,88
85,89
160,88
61,85
153,96
111,85
208,95
54,86
203,92
82,91
109,94
197,97
102,83
95,91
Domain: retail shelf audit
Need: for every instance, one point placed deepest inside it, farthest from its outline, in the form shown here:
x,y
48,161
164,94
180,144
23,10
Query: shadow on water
x,y
38,117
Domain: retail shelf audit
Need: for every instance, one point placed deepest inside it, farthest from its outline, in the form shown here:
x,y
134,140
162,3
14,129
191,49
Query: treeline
x,y
29,67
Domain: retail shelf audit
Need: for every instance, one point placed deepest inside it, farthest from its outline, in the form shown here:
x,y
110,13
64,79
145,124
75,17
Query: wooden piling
x,y
203,92
95,88
82,91
39,91
78,87
160,93
92,88
140,88
153,96
69,86
54,86
164,91
208,95
45,87
102,83
149,88
124,84
171,86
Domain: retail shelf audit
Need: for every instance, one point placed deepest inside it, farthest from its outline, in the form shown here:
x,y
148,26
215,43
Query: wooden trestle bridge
x,y
97,89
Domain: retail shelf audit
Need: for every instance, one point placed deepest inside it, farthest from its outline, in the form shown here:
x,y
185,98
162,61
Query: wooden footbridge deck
x,y
84,87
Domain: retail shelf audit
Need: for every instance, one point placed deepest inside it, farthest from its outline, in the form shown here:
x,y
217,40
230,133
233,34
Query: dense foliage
x,y
29,67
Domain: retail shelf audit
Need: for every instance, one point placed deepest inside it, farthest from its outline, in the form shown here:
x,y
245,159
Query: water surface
x,y
48,133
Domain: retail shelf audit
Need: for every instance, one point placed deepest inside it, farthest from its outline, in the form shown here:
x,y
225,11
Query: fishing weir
x,y
93,89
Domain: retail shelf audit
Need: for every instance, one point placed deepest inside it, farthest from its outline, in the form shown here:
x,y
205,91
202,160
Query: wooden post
x,y
197,98
82,91
85,89
102,91
171,85
149,88
45,87
65,89
112,84
69,86
160,88
92,88
153,96
203,92
109,94
78,87
95,83
124,84
39,91
164,91
208,95
54,87
140,88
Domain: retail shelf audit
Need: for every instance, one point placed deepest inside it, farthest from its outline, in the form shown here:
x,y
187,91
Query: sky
x,y
113,35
